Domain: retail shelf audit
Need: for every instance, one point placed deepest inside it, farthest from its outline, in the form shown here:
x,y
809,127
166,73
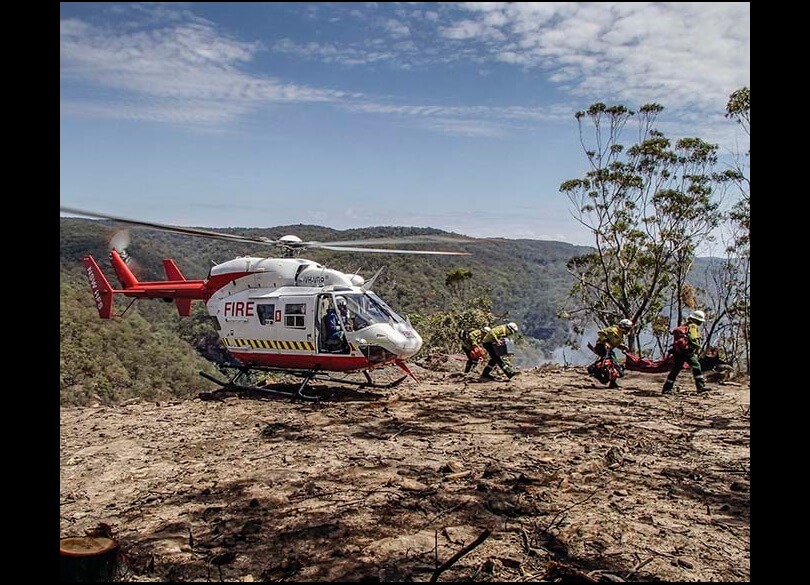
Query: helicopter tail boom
x,y
178,289
102,291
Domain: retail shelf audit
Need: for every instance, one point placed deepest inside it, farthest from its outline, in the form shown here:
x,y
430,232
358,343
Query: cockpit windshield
x,y
360,310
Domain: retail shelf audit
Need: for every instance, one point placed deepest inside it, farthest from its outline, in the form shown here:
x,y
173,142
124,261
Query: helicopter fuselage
x,y
272,312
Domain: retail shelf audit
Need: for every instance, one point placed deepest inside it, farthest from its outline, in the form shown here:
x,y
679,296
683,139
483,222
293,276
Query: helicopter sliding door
x,y
288,332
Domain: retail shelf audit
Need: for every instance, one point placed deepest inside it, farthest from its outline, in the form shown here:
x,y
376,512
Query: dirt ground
x,y
547,477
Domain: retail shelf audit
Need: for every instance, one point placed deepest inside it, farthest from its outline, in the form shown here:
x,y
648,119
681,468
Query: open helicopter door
x,y
330,329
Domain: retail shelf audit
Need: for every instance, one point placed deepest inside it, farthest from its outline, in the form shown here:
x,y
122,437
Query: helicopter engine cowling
x,y
317,275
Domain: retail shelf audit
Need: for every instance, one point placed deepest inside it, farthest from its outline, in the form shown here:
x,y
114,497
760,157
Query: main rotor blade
x,y
172,228
385,250
338,246
419,239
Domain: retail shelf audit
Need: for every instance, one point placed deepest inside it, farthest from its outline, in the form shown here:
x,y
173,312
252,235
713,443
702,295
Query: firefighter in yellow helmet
x,y
492,342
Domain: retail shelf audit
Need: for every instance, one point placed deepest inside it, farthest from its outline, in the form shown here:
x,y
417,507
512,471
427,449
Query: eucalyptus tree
x,y
470,307
734,302
457,282
648,208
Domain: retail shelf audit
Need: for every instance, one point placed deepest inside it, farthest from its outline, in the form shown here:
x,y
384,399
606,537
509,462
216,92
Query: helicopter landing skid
x,y
255,390
369,383
300,392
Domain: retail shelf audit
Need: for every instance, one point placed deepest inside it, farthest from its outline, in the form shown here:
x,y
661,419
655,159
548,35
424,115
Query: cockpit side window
x,y
360,310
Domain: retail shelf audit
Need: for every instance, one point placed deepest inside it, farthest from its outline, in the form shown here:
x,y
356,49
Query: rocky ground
x,y
547,477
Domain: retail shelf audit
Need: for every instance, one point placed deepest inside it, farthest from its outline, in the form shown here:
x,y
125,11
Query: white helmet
x,y
486,329
626,324
512,327
698,316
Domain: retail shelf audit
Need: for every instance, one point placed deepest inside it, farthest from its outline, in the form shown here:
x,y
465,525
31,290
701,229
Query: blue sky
x,y
458,116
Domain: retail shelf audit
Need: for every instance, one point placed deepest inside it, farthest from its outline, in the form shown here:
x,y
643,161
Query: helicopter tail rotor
x,y
119,242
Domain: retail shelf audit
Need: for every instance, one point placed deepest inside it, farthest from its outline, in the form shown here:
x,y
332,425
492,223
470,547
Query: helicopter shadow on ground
x,y
282,391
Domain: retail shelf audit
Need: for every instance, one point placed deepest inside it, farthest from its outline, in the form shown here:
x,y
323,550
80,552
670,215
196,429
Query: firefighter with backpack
x,y
686,344
471,344
607,369
494,342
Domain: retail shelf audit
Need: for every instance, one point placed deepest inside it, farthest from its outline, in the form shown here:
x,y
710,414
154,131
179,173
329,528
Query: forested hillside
x,y
153,352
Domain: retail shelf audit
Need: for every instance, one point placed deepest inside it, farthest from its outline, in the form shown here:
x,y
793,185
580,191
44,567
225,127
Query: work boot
x,y
668,385
468,367
487,374
614,384
700,385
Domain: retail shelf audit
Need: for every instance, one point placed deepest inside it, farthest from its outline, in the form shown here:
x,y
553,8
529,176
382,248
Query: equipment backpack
x,y
680,341
606,370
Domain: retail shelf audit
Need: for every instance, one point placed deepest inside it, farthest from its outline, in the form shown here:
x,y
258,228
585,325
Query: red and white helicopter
x,y
278,314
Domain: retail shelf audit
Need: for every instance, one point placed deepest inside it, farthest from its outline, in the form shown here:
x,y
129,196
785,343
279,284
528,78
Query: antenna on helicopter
x,y
369,283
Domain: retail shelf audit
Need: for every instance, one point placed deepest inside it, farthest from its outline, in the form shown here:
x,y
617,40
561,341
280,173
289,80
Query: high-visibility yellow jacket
x,y
612,335
693,335
476,335
689,340
470,339
496,334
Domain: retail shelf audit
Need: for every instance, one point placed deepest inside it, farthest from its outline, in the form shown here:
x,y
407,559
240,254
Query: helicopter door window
x,y
265,312
294,315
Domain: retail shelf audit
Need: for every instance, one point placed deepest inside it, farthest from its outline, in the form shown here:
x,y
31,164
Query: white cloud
x,y
189,74
683,55
397,28
466,29
175,74
688,57
330,53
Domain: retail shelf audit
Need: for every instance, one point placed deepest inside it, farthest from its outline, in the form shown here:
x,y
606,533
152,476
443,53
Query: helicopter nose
x,y
399,341
407,341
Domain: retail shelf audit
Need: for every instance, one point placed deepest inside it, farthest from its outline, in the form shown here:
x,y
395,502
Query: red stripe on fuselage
x,y
187,289
330,363
218,281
